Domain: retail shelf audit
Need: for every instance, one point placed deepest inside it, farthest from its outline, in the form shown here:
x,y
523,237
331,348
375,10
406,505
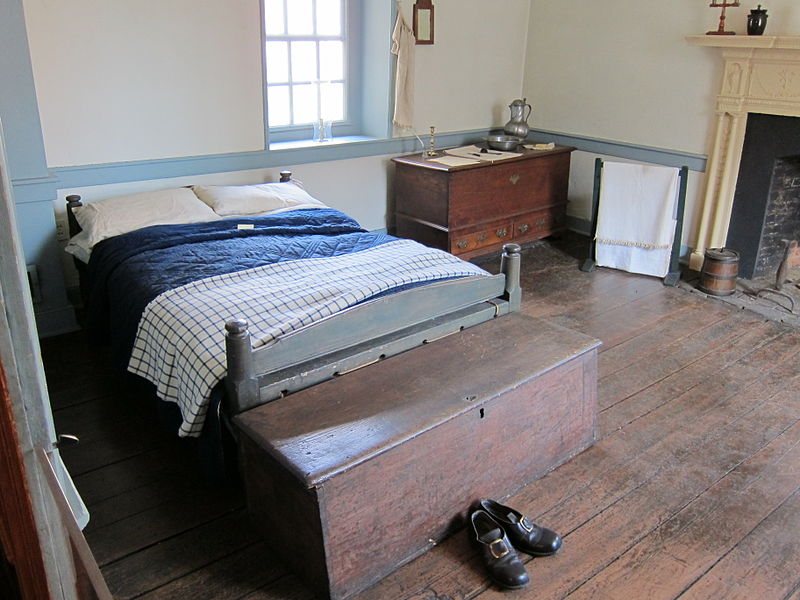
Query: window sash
x,y
345,122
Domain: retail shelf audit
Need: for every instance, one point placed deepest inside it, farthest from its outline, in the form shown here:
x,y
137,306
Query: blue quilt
x,y
127,271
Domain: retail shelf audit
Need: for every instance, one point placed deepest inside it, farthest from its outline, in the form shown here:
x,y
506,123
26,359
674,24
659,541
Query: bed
x,y
143,280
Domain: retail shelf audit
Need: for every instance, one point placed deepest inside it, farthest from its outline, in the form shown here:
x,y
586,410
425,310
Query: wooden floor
x,y
692,490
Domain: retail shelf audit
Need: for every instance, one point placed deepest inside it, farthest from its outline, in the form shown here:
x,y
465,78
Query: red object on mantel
x,y
723,5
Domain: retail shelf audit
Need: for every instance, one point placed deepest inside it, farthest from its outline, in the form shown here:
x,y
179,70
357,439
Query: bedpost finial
x,y
236,327
285,176
510,267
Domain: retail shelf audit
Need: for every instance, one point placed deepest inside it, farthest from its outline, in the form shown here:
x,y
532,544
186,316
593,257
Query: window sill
x,y
336,141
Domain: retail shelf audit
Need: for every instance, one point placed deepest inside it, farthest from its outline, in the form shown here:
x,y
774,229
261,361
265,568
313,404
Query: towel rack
x,y
673,274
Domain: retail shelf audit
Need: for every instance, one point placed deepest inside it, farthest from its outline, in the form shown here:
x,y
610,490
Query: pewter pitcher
x,y
518,125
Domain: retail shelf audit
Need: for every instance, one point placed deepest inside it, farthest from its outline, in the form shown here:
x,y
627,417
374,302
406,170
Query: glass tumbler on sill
x,y
322,131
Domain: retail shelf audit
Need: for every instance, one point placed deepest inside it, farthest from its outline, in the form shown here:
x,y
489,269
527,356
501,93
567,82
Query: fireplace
x,y
745,204
766,203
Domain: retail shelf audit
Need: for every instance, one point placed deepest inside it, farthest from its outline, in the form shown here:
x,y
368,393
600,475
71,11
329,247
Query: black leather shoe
x,y
502,561
526,536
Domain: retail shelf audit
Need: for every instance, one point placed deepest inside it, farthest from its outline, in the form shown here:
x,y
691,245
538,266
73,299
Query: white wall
x,y
473,71
126,80
120,81
621,70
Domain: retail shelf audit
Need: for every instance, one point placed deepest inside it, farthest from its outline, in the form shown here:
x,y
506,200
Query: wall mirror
x,y
423,21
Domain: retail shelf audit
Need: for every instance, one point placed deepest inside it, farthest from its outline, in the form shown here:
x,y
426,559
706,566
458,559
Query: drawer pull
x,y
524,227
462,244
482,237
501,233
514,179
541,222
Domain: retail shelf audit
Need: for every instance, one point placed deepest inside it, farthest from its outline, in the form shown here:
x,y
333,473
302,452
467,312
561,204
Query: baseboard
x,y
579,225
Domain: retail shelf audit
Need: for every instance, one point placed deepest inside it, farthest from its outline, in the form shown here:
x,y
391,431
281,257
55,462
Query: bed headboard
x,y
74,201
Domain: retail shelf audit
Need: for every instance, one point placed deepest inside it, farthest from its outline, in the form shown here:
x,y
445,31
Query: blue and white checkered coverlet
x,y
180,342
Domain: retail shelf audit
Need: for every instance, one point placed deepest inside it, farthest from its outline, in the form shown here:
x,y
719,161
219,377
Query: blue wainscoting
x,y
102,174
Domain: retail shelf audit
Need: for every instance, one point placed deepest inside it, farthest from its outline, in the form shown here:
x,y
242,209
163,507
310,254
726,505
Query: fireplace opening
x,y
766,205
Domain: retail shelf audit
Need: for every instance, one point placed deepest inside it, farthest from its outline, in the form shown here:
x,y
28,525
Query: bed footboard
x,y
364,334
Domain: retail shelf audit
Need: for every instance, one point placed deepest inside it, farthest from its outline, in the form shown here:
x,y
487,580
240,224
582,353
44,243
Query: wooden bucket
x,y
720,269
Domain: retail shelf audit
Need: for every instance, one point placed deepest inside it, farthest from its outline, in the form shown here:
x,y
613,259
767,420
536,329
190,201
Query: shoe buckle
x,y
523,522
502,545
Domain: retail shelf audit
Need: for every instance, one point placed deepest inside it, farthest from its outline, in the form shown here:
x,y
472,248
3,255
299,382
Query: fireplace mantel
x,y
762,75
781,42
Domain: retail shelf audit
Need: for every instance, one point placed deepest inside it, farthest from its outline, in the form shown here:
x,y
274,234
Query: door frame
x,y
18,533
29,425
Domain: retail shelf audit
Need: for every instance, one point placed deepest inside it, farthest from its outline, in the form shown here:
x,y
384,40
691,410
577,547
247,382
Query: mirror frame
x,y
423,21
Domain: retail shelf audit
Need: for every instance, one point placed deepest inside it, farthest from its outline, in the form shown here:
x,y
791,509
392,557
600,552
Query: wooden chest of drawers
x,y
474,209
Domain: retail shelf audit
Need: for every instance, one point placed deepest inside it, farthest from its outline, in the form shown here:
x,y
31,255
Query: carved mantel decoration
x,y
762,75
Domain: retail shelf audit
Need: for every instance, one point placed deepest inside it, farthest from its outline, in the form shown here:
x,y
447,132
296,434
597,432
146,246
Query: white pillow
x,y
78,246
242,200
114,216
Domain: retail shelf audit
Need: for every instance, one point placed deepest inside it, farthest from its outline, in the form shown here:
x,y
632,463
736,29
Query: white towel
x,y
636,218
403,43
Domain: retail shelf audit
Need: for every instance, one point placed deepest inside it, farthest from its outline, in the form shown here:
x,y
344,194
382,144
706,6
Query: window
x,y
318,54
305,51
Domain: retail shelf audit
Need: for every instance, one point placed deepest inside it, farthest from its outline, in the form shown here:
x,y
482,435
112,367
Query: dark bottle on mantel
x,y
757,21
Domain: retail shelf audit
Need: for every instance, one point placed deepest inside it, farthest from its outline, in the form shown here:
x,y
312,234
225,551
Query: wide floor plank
x,y
689,543
250,568
763,564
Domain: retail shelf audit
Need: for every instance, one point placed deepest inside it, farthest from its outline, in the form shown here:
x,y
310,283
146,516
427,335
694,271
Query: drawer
x,y
496,234
541,222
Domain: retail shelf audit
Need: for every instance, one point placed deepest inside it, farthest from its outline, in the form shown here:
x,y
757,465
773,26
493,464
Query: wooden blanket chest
x,y
356,476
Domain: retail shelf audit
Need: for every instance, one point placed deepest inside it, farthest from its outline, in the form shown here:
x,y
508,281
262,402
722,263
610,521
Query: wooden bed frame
x,y
358,336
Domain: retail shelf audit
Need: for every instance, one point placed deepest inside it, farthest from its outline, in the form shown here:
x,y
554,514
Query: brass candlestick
x,y
723,4
432,148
